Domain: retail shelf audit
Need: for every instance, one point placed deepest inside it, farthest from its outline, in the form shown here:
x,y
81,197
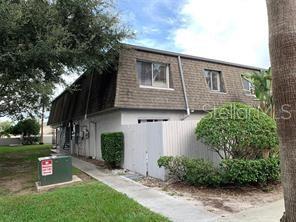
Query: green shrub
x,y
241,172
200,172
164,161
193,171
30,140
112,145
238,131
175,166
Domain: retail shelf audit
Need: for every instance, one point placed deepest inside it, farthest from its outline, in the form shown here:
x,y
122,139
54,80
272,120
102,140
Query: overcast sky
x,y
231,30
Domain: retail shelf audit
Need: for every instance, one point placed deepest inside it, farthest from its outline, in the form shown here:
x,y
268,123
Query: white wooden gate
x,y
180,140
145,143
135,148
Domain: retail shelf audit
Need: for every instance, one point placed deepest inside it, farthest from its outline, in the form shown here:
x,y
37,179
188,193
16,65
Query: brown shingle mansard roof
x,y
120,89
186,56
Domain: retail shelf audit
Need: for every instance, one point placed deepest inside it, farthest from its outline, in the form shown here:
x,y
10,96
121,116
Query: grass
x,y
27,148
92,201
18,168
87,201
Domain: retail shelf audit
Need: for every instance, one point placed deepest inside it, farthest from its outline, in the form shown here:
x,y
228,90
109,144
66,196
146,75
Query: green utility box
x,y
54,169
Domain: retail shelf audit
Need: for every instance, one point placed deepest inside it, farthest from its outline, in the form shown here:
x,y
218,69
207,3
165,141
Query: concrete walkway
x,y
271,212
176,209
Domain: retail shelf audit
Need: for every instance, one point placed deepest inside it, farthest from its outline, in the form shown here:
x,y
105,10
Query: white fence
x,y
8,141
145,143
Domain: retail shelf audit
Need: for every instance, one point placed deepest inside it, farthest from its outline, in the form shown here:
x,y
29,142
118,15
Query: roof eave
x,y
164,52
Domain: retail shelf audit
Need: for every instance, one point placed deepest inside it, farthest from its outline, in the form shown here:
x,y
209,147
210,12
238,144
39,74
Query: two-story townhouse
x,y
147,85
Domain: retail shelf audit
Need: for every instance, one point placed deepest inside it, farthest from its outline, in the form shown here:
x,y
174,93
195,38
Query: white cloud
x,y
145,42
231,30
69,79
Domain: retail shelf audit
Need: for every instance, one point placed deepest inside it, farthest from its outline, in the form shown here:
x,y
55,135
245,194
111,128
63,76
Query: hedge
x,y
243,172
112,145
200,172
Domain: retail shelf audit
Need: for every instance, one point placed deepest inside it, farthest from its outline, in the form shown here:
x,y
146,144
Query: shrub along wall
x,y
230,172
112,145
238,131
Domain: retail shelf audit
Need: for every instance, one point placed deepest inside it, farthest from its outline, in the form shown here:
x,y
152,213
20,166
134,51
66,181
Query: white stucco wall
x,y
95,125
105,122
112,121
132,116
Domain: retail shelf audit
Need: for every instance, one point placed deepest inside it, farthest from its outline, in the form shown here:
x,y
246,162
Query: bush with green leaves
x,y
31,140
236,130
112,145
241,172
174,165
193,171
200,172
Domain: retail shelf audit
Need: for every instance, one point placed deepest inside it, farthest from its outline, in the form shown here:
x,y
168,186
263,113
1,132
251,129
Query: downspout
x,y
184,89
95,137
88,96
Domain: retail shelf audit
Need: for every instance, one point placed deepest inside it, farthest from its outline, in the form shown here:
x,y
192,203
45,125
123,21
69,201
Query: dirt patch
x,y
25,183
222,201
18,185
18,172
84,177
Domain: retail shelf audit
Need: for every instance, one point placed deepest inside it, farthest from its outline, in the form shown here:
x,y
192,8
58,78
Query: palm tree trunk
x,y
282,45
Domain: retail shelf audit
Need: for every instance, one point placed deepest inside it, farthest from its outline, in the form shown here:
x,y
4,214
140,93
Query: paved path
x,y
271,212
176,209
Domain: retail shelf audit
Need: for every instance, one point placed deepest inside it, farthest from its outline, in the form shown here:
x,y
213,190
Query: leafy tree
x,y
42,39
282,48
4,128
236,130
28,129
262,82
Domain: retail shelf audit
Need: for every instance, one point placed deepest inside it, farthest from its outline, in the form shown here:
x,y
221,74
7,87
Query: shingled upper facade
x,y
150,85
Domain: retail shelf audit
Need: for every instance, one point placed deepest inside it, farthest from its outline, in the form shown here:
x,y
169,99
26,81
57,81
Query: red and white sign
x,y
46,167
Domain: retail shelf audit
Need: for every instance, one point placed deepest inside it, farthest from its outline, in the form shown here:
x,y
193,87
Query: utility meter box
x,y
54,169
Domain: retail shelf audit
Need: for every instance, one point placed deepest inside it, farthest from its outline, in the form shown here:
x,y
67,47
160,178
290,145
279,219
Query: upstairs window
x,y
153,74
248,86
214,80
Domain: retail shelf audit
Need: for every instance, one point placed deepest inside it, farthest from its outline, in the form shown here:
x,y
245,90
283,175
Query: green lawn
x,y
28,148
18,168
87,201
92,201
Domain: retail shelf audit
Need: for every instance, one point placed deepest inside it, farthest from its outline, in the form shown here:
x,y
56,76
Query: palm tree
x,y
282,48
262,84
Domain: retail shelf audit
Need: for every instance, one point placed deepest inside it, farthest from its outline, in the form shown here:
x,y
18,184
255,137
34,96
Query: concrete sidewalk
x,y
176,209
271,212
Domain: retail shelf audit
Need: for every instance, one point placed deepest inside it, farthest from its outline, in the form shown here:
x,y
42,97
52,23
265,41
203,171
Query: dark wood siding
x,y
71,104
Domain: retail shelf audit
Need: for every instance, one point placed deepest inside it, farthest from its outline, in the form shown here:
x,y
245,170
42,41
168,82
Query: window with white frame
x,y
153,74
151,120
248,86
214,80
